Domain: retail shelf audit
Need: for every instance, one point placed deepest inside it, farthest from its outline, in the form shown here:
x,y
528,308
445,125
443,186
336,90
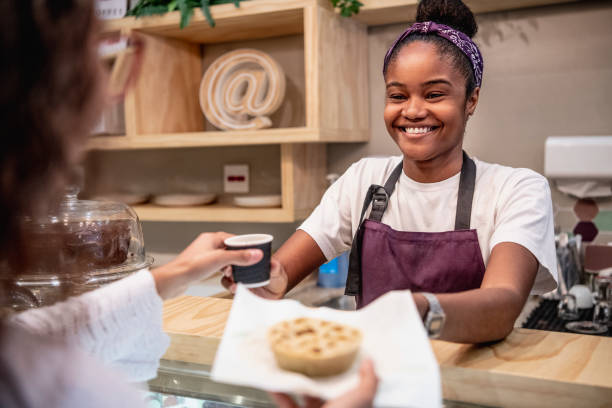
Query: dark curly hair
x,y
50,97
455,14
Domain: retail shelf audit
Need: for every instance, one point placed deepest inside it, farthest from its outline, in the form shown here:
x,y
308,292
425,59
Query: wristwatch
x,y
434,320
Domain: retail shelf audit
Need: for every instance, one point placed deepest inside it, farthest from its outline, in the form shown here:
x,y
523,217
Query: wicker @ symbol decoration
x,y
241,89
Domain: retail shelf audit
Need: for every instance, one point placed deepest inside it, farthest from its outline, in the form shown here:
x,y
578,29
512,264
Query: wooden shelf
x,y
213,213
379,12
252,20
163,110
225,138
302,184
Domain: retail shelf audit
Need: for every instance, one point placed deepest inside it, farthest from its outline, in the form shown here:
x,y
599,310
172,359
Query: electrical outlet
x,y
236,178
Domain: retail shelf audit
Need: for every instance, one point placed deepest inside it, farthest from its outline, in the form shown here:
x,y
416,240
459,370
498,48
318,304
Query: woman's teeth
x,y
416,130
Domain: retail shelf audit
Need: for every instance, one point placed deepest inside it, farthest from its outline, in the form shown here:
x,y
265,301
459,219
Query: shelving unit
x,y
162,111
299,164
337,113
252,20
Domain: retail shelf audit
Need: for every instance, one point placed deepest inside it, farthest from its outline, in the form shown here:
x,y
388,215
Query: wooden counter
x,y
531,368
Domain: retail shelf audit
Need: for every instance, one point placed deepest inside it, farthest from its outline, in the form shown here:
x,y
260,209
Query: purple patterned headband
x,y
462,41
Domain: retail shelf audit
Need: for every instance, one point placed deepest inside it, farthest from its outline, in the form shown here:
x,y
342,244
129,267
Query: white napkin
x,y
393,337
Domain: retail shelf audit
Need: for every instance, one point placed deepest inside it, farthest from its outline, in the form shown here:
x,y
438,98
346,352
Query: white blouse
x,y
46,353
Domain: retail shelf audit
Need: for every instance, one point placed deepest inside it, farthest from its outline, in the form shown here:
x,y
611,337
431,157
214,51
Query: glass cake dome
x,y
76,248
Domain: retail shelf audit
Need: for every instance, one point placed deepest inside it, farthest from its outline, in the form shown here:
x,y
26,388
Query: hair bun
x,y
453,13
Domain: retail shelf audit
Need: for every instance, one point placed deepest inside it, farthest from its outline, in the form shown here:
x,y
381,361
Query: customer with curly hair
x,y
81,352
52,89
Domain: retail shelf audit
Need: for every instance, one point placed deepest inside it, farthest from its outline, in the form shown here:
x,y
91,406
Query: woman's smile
x,y
417,132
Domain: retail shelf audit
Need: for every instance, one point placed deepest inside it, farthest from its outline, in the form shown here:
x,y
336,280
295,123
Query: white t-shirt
x,y
509,205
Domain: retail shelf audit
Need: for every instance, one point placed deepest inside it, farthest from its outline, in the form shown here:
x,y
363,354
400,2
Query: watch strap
x,y
434,304
435,317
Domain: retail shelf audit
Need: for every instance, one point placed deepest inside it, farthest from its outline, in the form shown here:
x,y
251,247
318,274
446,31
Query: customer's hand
x,y
361,396
201,259
273,290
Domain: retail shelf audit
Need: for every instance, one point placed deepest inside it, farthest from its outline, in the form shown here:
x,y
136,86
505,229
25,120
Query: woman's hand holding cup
x,y
266,278
200,260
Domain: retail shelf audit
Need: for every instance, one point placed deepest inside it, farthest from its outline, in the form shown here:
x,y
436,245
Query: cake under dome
x,y
78,247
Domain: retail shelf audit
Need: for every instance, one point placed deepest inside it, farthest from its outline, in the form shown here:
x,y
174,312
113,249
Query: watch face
x,y
435,324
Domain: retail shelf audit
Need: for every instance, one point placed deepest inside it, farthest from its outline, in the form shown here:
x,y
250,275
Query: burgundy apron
x,y
383,259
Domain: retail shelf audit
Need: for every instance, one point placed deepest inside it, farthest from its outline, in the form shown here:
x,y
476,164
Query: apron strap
x,y
379,197
467,181
392,180
353,278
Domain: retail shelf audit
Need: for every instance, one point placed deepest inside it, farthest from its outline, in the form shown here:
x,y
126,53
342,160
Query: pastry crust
x,y
314,347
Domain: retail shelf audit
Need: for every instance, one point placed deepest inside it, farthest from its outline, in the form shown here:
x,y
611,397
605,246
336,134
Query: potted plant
x,y
152,7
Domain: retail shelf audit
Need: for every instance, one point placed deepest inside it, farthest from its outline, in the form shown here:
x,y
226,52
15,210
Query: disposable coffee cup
x,y
256,275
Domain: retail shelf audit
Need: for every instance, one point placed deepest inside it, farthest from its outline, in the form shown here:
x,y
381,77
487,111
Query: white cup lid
x,y
248,240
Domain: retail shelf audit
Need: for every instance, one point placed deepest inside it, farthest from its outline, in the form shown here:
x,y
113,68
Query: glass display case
x,y
187,385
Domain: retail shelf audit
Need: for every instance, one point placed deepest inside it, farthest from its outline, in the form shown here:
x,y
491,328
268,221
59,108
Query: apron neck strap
x,y
379,196
467,181
392,180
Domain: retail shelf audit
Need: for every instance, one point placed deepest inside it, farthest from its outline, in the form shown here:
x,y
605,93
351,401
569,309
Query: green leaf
x,y
186,12
347,7
152,10
206,11
186,7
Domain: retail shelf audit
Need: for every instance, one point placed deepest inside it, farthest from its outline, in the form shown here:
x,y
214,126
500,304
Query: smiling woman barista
x,y
469,238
